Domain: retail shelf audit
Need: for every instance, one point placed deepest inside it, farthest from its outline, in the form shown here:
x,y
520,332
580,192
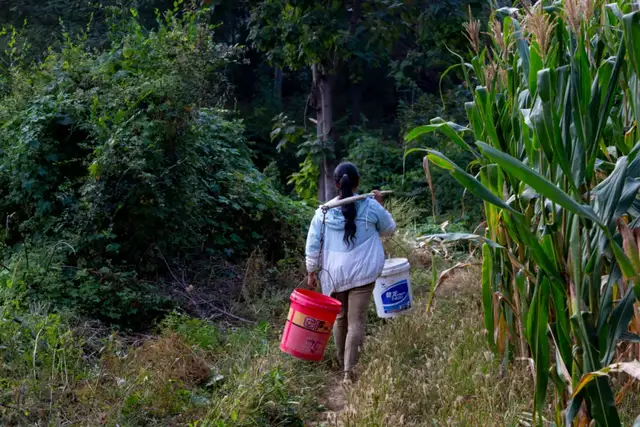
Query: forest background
x,y
142,138
160,162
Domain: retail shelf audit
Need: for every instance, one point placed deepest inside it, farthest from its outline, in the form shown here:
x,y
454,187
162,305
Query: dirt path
x,y
334,401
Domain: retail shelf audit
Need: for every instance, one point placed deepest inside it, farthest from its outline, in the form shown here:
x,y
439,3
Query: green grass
x,y
416,370
57,371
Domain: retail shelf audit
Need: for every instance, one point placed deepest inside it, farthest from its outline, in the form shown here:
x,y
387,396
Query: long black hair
x,y
347,178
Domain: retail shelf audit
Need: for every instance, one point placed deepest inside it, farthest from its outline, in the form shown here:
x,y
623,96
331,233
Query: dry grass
x,y
176,379
191,372
156,381
420,370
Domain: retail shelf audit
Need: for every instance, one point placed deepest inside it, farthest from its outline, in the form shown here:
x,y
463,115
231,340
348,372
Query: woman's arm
x,y
386,225
312,250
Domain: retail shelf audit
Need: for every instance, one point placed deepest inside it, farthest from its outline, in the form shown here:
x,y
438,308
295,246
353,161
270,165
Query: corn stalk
x,y
554,124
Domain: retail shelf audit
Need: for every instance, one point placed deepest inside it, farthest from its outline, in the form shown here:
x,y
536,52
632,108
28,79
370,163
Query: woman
x,y
352,260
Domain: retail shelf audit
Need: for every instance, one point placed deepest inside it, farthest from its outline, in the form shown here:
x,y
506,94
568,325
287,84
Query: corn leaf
x,y
562,327
450,129
618,324
573,408
474,120
575,254
606,106
535,65
487,293
537,182
546,121
580,94
608,192
614,10
603,408
629,337
606,299
455,237
468,181
521,281
573,146
598,393
536,251
630,368
484,107
628,197
631,25
538,341
521,45
628,272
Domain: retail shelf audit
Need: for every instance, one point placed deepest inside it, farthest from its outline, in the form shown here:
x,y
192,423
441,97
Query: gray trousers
x,y
349,328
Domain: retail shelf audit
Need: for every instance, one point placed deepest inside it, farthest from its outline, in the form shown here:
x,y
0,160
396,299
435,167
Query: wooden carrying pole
x,y
336,203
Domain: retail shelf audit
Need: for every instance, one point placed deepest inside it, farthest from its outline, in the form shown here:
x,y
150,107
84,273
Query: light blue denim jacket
x,y
345,267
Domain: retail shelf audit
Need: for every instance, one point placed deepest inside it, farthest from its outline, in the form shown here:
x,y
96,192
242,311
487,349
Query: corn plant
x,y
553,126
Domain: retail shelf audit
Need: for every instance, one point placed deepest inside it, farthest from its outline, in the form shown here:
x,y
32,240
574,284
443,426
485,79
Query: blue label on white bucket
x,y
396,297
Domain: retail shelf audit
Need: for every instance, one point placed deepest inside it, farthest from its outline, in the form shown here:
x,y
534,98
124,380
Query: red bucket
x,y
309,324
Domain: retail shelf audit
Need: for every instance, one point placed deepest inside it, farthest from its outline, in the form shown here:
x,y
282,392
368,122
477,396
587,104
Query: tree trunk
x,y
356,106
324,84
277,85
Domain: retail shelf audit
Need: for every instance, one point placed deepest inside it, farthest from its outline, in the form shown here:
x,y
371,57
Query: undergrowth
x,y
416,370
435,370
192,372
57,369
121,166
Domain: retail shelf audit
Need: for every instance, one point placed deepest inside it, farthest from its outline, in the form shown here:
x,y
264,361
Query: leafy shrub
x,y
305,181
125,156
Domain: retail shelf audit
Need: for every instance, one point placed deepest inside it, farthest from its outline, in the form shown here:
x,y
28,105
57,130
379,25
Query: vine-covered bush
x,y
114,162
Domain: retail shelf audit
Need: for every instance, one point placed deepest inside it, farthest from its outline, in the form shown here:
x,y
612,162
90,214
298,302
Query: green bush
x,y
382,165
120,161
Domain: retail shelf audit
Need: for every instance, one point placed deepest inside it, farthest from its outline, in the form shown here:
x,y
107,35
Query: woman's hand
x,y
312,281
377,195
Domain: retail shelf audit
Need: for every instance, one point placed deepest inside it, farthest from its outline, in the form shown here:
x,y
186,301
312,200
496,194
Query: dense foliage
x,y
115,159
134,135
555,121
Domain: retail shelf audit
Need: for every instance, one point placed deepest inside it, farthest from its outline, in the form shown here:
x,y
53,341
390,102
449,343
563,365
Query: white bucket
x,y
392,292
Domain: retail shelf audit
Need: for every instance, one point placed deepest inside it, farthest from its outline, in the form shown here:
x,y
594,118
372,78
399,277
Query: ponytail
x,y
347,178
